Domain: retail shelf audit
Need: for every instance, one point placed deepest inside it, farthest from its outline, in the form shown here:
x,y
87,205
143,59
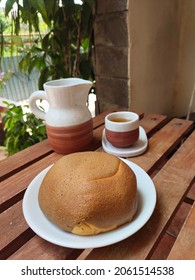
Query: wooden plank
x,y
191,193
179,219
166,243
153,122
13,188
12,224
162,144
163,248
172,183
40,249
20,160
184,247
2,155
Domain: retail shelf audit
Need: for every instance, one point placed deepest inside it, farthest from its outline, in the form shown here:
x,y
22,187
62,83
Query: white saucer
x,y
50,232
136,149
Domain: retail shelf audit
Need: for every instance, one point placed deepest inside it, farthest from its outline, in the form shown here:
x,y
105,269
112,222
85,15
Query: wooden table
x,y
169,233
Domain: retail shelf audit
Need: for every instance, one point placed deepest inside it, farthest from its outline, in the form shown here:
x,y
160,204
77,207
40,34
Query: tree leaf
x,y
39,5
15,144
17,40
8,6
24,62
51,7
45,41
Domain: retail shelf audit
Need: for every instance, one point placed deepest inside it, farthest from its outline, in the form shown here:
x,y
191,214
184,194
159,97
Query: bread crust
x,y
89,188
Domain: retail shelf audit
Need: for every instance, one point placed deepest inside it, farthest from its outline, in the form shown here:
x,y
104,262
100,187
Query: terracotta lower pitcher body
x,y
68,120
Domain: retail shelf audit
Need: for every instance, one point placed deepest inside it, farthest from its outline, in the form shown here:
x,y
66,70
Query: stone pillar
x,y
112,54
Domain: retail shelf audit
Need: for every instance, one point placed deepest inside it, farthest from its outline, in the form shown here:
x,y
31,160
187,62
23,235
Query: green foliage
x,y
21,129
66,49
3,26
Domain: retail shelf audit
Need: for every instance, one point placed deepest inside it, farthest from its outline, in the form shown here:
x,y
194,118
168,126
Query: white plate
x,y
48,231
136,149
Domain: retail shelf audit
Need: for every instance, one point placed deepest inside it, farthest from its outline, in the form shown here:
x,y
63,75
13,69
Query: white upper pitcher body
x,y
67,100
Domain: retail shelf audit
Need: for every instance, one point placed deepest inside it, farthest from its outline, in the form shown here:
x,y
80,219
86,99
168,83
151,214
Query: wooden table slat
x,y
191,194
163,247
184,247
152,123
169,160
172,182
40,249
17,183
11,225
162,144
14,230
11,165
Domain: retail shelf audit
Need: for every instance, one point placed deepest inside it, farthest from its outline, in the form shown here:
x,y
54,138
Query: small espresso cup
x,y
122,128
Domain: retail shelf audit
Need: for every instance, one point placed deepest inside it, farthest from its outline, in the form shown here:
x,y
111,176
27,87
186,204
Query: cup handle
x,y
37,95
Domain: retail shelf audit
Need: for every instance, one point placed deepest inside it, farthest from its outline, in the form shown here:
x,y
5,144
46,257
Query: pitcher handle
x,y
37,95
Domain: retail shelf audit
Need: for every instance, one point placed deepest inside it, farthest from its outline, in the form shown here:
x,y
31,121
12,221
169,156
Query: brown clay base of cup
x,y
122,139
77,138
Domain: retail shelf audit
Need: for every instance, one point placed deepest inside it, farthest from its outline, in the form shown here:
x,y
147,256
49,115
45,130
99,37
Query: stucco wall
x,y
186,63
154,49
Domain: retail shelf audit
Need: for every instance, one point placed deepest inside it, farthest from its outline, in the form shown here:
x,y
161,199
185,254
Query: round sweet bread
x,y
88,193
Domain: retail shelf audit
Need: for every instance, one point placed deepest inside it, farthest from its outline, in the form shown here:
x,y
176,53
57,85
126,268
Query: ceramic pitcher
x,y
68,120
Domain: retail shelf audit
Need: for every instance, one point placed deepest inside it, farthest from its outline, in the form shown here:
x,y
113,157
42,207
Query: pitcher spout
x,y
78,89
